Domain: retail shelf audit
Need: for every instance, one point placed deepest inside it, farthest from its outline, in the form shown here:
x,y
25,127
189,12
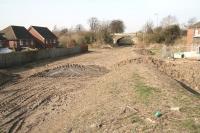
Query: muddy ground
x,y
105,90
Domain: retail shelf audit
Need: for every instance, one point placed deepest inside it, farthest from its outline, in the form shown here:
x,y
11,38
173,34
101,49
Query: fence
x,y
20,58
181,51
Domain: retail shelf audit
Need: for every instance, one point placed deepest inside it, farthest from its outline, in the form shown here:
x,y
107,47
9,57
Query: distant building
x,y
18,37
44,37
3,41
193,34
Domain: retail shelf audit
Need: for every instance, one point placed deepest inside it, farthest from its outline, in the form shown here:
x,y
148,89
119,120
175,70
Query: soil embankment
x,y
184,71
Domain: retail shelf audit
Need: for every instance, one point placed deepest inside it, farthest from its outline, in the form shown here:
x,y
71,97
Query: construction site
x,y
100,66
125,89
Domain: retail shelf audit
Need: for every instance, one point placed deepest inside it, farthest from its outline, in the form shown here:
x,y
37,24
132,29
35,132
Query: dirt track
x,y
101,91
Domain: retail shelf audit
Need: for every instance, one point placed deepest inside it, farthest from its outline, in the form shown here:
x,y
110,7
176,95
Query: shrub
x,y
171,33
107,37
166,35
71,38
76,38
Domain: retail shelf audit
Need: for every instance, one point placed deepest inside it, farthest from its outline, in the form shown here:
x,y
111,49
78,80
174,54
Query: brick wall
x,y
190,34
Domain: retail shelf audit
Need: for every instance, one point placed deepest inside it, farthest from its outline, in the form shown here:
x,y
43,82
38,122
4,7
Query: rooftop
x,y
16,32
44,31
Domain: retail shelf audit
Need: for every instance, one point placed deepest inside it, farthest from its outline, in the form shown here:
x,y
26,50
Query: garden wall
x,y
20,58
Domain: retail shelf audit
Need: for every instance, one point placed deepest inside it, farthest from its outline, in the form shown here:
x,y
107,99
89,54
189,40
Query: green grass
x,y
144,91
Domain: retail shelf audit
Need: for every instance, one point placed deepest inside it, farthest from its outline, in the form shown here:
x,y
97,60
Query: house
x,y
44,37
3,41
193,34
18,37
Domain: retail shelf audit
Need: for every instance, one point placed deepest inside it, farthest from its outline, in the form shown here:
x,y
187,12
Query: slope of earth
x,y
102,91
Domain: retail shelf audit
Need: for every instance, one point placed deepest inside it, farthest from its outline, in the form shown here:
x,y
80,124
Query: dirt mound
x,y
74,70
144,52
185,72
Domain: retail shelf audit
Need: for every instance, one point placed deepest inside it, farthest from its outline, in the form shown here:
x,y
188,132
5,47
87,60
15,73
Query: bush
x,y
171,33
72,38
76,38
89,37
107,37
166,35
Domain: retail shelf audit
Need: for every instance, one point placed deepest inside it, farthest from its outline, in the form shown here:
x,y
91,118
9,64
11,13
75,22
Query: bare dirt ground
x,y
106,90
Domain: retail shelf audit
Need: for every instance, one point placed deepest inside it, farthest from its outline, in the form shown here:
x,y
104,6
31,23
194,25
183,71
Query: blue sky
x,y
68,13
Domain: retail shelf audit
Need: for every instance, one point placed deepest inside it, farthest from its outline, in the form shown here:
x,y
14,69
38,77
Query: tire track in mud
x,y
19,112
20,95
17,121
73,70
15,118
23,101
28,102
19,101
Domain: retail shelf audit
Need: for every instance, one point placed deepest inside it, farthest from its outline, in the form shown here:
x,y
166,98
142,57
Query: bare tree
x,y
148,27
93,23
169,20
55,28
79,28
117,26
191,21
64,31
103,34
56,31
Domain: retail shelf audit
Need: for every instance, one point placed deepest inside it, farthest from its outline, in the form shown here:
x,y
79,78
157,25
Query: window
x,y
28,42
24,42
32,43
21,42
54,41
18,43
1,43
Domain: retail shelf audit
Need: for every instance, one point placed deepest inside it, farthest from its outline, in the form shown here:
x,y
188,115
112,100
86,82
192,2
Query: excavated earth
x,y
73,70
184,71
105,90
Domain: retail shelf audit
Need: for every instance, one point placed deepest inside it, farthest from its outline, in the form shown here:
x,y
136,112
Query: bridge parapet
x,y
118,36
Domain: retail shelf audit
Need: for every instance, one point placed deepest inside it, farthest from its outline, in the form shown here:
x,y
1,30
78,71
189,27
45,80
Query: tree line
x,y
167,32
100,32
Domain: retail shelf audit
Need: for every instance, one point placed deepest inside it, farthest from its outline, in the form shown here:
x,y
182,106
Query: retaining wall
x,y
20,58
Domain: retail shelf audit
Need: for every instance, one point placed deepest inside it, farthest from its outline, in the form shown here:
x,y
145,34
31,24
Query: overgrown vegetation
x,y
167,35
100,32
168,32
117,26
71,39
